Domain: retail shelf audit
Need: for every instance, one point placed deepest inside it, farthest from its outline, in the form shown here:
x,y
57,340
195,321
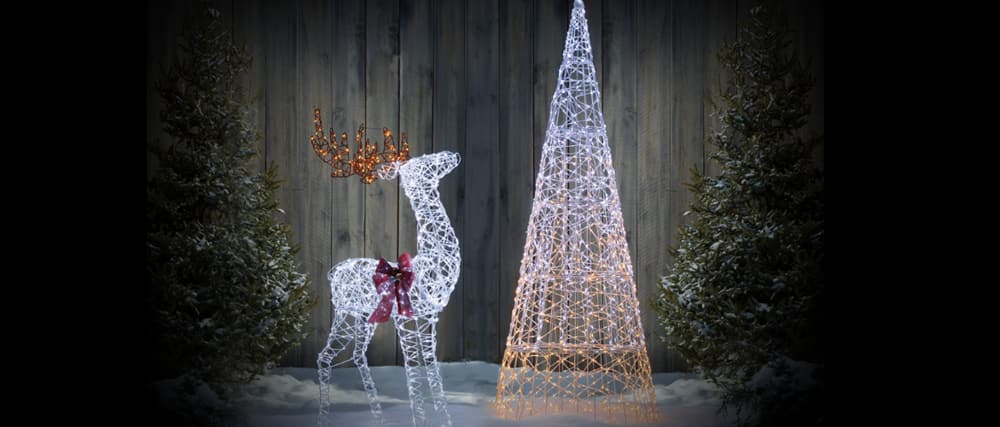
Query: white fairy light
x,y
576,343
436,269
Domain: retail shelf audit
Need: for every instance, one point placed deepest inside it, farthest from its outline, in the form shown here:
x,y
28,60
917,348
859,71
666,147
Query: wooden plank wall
x,y
476,77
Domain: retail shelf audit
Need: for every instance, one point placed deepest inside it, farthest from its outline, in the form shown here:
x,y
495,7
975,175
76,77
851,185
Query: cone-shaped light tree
x,y
576,343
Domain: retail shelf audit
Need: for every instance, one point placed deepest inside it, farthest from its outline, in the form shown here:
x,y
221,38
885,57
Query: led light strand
x,y
576,343
367,158
436,268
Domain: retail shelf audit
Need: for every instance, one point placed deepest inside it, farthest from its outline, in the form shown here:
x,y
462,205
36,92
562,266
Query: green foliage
x,y
743,302
227,299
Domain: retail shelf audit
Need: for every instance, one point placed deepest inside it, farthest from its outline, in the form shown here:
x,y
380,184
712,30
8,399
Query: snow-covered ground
x,y
288,397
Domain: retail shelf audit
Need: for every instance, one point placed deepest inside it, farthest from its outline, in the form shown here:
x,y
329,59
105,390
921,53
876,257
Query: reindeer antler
x,y
367,157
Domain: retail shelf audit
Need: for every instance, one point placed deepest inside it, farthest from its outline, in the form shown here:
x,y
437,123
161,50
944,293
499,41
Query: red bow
x,y
393,282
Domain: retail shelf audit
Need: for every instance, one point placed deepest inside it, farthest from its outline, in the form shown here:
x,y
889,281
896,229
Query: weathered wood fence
x,y
476,77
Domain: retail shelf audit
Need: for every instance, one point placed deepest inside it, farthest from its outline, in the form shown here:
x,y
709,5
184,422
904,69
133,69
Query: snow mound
x,y
288,397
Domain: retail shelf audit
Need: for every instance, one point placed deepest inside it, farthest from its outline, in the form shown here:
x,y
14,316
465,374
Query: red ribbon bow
x,y
393,282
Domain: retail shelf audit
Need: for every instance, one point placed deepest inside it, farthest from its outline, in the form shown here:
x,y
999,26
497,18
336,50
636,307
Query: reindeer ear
x,y
388,171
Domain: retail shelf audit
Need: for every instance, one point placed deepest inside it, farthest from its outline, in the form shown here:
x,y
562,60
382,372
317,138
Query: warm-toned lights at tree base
x,y
576,344
609,386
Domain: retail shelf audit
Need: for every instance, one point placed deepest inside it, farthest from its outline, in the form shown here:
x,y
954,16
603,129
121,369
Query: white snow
x,y
288,397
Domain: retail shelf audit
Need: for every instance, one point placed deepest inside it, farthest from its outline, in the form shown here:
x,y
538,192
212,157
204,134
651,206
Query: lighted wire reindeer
x,y
357,303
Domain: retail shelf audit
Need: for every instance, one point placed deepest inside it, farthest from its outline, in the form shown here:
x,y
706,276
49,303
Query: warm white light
x,y
576,343
436,267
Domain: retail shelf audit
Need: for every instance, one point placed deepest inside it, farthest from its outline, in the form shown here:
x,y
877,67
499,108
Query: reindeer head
x,y
427,169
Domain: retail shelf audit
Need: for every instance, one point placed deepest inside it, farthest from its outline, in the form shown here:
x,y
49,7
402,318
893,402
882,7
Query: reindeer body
x,y
436,267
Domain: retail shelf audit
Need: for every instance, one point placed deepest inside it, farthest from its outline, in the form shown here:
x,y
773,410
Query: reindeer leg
x,y
335,343
407,329
363,335
428,349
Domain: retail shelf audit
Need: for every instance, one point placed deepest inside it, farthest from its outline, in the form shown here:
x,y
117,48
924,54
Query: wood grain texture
x,y
476,78
595,24
515,151
416,81
282,120
687,122
344,112
551,22
450,134
382,110
314,204
654,71
480,265
618,90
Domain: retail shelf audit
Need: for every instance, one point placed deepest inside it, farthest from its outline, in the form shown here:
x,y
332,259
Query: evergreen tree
x,y
743,302
226,297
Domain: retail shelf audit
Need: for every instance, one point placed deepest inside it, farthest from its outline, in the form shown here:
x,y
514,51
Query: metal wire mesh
x,y
576,343
355,297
